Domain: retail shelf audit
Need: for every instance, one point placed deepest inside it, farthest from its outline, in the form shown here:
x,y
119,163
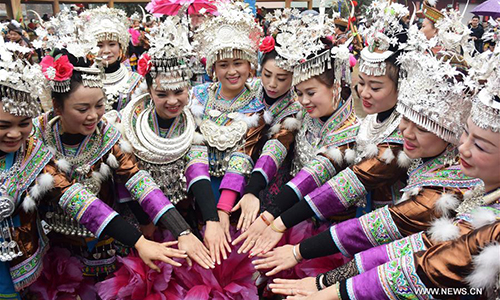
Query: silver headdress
x,y
21,84
300,46
170,54
107,24
232,34
383,27
433,93
486,107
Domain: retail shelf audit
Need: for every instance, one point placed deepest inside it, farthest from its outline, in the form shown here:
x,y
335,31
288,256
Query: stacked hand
x,y
250,206
253,233
195,250
150,251
216,241
279,259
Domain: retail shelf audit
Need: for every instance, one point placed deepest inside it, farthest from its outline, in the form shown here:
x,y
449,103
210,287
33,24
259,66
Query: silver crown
x,y
107,24
170,54
21,84
231,34
486,110
433,94
383,26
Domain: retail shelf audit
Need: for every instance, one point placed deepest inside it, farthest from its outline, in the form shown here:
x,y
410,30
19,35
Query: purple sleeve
x,y
313,175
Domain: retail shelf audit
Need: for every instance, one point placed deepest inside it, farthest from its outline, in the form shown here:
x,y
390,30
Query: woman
x,y
89,151
228,111
272,169
430,15
162,133
435,187
479,157
378,142
22,159
109,27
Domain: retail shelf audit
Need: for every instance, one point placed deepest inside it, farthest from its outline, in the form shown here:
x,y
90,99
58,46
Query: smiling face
x,y
275,81
110,50
480,155
316,97
232,74
420,143
82,110
169,104
378,93
13,131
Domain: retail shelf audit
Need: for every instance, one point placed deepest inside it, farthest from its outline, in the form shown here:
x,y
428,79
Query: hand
x,y
225,223
252,234
269,238
148,230
277,260
306,286
196,251
216,241
250,206
149,251
329,293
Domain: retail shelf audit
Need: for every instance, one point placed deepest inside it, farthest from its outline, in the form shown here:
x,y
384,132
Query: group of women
x,y
410,192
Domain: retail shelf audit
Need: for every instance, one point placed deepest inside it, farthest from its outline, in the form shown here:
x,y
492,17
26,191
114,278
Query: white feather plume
x,y
112,161
268,117
105,171
97,176
125,146
443,230
446,203
482,217
349,155
388,155
63,165
292,124
486,268
29,204
371,150
335,154
197,110
403,160
198,139
252,120
432,2
46,182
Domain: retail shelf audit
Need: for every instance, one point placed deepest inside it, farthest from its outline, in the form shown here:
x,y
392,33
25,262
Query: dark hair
x,y
76,77
475,17
149,79
327,77
267,56
341,27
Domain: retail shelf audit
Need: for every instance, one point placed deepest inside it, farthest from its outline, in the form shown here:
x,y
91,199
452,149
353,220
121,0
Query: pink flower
x,y
144,64
267,44
58,69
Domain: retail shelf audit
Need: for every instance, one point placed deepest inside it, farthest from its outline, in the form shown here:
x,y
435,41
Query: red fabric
x,y
171,7
227,199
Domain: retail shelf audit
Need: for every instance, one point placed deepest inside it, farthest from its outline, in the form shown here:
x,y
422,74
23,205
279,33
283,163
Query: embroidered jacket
x,y
231,131
27,231
450,264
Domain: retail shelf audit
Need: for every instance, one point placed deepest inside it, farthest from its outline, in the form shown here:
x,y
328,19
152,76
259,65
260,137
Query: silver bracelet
x,y
295,254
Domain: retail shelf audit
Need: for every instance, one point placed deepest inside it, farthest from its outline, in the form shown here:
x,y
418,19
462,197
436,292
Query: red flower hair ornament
x,y
267,44
144,64
58,71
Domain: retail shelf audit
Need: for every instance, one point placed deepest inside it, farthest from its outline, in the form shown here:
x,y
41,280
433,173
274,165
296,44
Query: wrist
x,y
296,253
139,242
268,216
278,223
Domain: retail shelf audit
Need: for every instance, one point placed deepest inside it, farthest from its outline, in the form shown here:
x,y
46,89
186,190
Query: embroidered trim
x,y
379,228
26,272
406,246
321,169
276,151
140,185
348,188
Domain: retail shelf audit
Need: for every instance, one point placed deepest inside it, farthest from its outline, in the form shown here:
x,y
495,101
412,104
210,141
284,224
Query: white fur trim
x,y
403,160
446,203
125,146
29,204
388,155
198,139
97,176
197,110
140,90
112,161
408,194
292,124
268,117
335,154
486,268
349,155
371,150
252,120
105,170
46,182
432,2
274,129
443,230
63,165
482,217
